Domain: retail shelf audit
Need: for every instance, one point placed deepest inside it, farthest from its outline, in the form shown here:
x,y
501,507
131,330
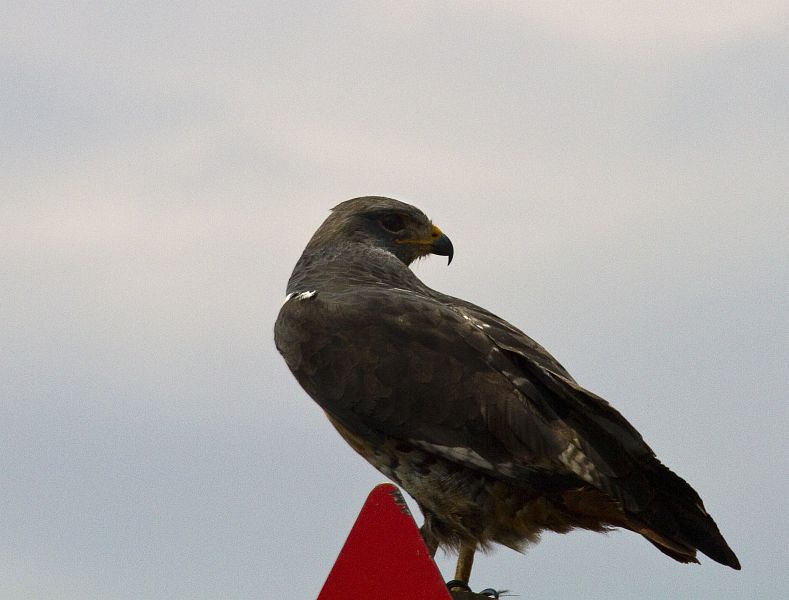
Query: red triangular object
x,y
384,557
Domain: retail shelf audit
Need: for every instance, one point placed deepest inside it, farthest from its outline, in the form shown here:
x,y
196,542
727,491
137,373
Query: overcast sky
x,y
614,179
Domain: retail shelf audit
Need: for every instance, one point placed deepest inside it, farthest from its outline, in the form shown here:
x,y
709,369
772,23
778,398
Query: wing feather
x,y
455,379
446,373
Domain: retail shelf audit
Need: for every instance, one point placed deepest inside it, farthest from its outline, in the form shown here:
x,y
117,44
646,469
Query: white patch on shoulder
x,y
288,297
300,295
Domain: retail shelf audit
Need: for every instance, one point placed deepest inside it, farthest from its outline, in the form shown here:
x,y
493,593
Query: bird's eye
x,y
392,223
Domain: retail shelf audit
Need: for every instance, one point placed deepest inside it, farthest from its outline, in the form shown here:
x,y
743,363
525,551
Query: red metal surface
x,y
384,557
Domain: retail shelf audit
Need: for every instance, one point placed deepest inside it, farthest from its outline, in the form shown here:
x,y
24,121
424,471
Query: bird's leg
x,y
464,564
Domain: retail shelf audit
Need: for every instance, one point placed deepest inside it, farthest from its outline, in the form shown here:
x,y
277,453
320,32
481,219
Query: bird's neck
x,y
346,265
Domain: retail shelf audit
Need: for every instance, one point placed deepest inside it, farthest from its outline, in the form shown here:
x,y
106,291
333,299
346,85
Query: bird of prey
x,y
489,434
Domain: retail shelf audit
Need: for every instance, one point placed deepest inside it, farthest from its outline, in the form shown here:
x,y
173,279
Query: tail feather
x,y
704,534
677,514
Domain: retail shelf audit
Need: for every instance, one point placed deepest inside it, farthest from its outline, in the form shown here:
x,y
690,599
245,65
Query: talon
x,y
458,586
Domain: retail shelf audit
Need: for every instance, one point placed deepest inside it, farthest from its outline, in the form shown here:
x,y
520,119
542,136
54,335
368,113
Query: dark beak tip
x,y
443,247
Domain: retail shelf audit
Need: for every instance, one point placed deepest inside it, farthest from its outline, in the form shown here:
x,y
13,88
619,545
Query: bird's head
x,y
384,223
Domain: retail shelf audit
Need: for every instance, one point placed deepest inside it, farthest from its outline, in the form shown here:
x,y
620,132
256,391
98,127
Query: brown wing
x,y
447,375
395,363
670,508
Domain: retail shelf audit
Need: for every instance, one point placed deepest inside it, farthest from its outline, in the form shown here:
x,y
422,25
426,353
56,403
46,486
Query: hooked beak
x,y
440,244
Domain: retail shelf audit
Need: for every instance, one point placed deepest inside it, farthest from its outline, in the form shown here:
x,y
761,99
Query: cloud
x,y
614,182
